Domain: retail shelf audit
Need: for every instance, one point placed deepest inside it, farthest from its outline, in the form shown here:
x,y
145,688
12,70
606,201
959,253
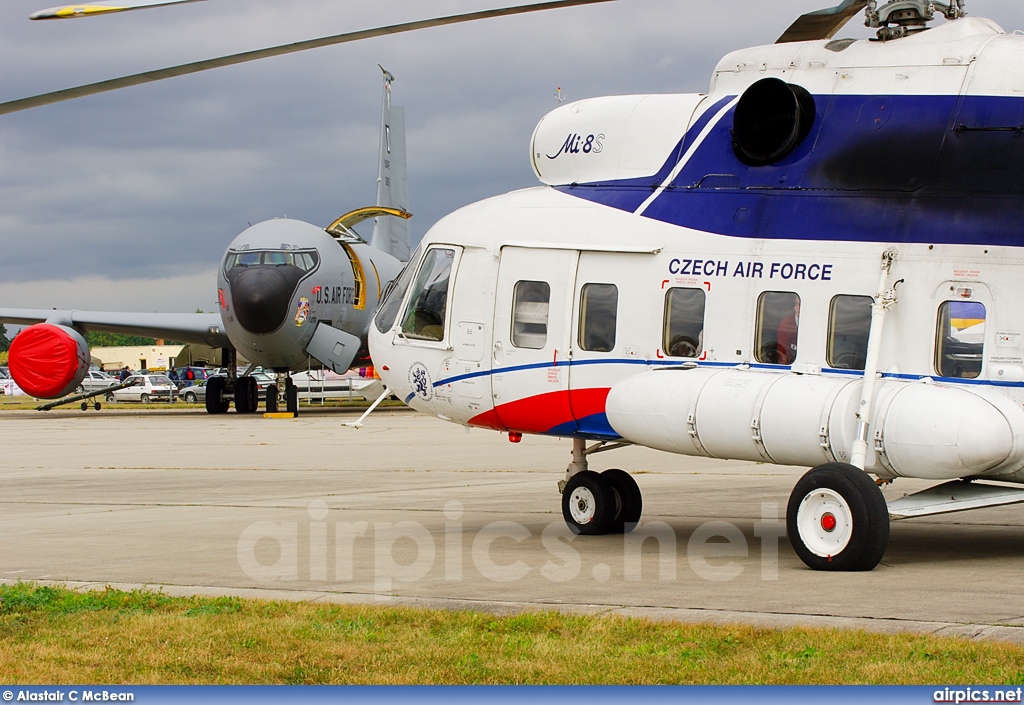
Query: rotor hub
x,y
900,18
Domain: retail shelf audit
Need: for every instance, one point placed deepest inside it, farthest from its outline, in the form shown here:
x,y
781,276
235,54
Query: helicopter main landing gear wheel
x,y
837,519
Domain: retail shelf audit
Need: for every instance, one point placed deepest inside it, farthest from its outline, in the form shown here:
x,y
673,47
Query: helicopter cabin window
x,y
428,302
849,322
530,303
598,309
778,320
683,331
960,339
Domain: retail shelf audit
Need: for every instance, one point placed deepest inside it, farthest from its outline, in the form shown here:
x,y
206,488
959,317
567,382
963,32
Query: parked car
x,y
182,379
194,393
95,381
146,388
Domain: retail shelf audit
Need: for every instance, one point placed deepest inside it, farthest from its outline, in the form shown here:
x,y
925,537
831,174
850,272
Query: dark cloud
x,y
149,184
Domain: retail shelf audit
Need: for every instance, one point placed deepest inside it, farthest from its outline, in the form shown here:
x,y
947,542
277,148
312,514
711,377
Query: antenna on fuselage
x,y
391,235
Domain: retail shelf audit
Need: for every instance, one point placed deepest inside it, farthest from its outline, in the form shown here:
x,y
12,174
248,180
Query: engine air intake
x,y
772,118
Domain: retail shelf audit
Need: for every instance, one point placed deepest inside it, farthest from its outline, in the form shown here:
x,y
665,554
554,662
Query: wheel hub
x,y
825,522
582,505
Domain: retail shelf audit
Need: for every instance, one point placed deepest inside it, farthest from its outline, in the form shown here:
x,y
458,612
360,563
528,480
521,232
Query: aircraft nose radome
x,y
260,297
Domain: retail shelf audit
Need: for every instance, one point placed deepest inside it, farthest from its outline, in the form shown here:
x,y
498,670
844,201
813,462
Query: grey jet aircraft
x,y
290,294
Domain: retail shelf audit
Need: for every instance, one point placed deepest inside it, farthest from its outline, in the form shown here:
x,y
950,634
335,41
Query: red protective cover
x,y
44,360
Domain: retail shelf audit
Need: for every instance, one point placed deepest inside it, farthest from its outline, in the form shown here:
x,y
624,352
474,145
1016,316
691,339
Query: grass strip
x,y
54,635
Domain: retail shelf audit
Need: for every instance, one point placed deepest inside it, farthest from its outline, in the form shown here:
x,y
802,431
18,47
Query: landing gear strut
x,y
593,503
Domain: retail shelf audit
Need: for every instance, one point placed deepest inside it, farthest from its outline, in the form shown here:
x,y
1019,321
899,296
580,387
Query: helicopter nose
x,y
260,297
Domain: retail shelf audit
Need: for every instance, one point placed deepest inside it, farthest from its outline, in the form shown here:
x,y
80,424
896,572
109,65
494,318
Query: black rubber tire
x,y
110,398
246,396
144,398
85,406
595,499
869,517
215,401
190,397
254,395
629,500
241,395
271,398
97,406
291,396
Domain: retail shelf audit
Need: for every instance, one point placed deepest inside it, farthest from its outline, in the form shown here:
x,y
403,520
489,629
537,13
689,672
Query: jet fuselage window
x,y
683,330
778,320
598,317
530,304
960,339
424,317
849,322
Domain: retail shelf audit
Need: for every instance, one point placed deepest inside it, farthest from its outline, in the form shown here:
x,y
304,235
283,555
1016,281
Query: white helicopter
x,y
815,263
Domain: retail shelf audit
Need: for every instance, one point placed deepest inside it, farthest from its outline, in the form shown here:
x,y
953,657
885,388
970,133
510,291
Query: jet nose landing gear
x,y
290,398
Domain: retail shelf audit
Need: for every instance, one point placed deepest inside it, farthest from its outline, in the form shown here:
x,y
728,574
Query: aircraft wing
x,y
202,328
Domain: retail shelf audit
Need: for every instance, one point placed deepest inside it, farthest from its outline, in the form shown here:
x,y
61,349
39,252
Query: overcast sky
x,y
127,200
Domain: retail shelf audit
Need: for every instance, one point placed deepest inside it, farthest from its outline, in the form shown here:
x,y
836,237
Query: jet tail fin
x,y
391,235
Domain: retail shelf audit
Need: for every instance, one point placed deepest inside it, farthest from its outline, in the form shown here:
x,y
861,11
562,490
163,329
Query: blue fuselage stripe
x,y
723,365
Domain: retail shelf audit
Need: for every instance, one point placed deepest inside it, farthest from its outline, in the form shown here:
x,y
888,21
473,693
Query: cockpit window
x,y
428,303
394,292
273,258
247,259
278,258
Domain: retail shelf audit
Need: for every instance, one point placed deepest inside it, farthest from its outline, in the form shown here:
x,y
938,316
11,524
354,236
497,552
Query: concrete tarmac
x,y
412,510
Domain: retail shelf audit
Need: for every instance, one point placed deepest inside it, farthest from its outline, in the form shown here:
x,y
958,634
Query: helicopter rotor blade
x,y
67,12
232,59
822,24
